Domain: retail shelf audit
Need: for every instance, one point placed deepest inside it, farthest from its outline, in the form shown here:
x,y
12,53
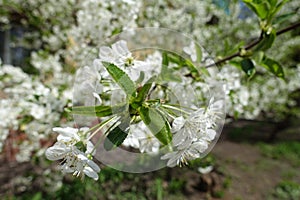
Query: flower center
x,y
129,61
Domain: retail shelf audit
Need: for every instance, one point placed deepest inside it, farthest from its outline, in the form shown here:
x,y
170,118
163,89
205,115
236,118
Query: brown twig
x,y
253,44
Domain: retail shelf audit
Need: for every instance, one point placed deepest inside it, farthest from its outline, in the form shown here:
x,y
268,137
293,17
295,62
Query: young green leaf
x,y
99,111
267,41
248,67
117,135
157,124
273,67
260,7
121,78
275,8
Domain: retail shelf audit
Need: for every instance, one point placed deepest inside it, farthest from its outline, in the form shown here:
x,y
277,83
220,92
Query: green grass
x,y
287,190
289,151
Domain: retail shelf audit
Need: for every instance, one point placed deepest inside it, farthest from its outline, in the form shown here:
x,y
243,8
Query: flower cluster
x,y
75,151
157,113
193,135
30,107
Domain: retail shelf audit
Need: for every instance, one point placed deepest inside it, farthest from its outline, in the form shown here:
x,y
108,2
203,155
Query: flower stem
x,y
100,126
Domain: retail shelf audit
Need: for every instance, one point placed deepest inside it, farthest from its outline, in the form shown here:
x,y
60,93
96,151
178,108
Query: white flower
x,y
193,135
69,147
191,129
141,137
191,50
120,55
86,84
182,156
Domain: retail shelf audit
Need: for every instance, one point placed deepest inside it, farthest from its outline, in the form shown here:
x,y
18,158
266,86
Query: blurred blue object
x,y
5,46
224,4
245,11
11,50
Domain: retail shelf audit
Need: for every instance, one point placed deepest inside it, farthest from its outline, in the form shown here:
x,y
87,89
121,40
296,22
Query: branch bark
x,y
253,44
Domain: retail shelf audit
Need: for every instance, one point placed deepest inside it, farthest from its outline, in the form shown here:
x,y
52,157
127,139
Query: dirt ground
x,y
253,176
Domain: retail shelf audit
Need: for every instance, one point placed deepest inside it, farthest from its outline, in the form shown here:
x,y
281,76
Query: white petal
x,y
120,48
178,138
131,141
175,159
82,157
172,163
142,66
133,73
64,139
66,169
177,124
89,147
67,132
98,64
84,129
185,144
168,155
90,173
187,50
86,87
93,165
106,54
97,97
210,134
89,162
217,106
57,152
200,146
155,147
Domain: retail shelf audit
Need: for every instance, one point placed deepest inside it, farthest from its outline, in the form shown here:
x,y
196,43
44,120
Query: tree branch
x,y
253,44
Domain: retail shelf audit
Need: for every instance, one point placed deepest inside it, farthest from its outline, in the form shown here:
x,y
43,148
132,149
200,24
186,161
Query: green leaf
x,y
248,67
121,78
165,59
198,53
258,56
174,58
273,3
267,41
260,7
282,18
273,67
99,111
117,136
157,124
167,74
276,8
191,66
204,71
143,92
